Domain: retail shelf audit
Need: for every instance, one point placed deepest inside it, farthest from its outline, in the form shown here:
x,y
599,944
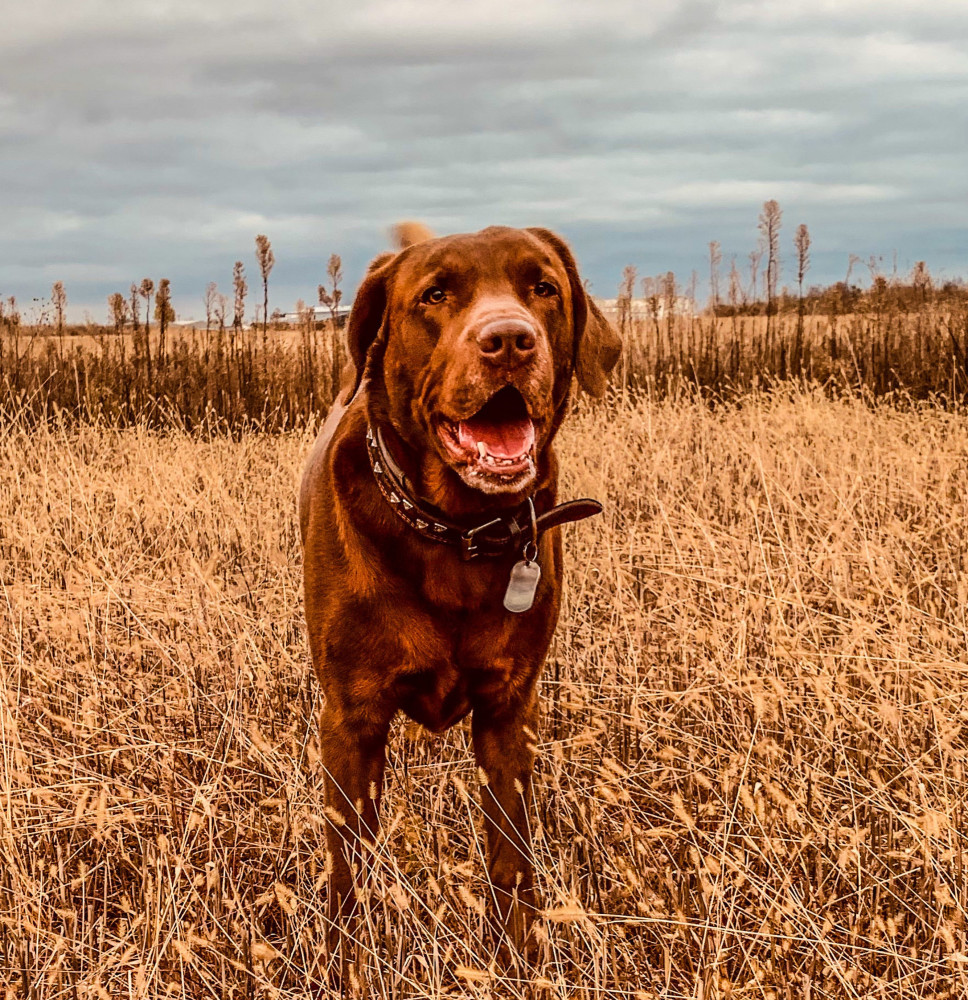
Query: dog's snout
x,y
507,341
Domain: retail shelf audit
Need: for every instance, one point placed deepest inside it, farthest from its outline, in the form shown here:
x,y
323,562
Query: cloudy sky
x,y
157,138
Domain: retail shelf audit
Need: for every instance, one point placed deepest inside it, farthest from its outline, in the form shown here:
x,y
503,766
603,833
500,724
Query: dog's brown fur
x,y
396,621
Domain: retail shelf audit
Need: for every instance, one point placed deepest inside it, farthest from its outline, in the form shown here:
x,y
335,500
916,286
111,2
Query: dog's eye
x,y
545,289
432,296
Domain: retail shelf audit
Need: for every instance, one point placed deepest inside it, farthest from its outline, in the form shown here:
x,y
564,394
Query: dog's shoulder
x,y
313,471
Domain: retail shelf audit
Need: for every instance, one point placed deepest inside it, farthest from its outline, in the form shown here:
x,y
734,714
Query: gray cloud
x,y
158,138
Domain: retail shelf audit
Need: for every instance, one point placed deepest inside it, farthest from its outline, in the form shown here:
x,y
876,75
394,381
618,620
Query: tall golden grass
x,y
751,777
894,338
219,380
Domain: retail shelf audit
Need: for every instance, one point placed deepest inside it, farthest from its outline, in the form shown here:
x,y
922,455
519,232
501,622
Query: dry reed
x,y
892,339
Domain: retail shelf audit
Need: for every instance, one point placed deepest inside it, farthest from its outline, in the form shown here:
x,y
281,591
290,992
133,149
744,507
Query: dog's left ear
x,y
597,345
365,328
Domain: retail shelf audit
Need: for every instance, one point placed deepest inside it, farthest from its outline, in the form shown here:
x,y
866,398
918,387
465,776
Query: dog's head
x,y
470,343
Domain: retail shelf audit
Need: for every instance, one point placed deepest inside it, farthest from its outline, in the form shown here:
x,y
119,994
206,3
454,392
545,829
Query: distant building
x,y
321,314
682,305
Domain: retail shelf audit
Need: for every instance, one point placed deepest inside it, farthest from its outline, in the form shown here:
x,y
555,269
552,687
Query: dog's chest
x,y
452,587
476,661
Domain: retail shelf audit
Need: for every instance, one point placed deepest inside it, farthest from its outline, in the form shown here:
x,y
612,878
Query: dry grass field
x,y
876,342
751,778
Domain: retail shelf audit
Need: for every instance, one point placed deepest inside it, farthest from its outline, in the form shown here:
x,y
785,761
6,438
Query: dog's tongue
x,y
504,439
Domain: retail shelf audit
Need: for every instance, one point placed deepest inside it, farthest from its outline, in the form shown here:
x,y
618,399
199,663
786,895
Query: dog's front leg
x,y
353,755
503,743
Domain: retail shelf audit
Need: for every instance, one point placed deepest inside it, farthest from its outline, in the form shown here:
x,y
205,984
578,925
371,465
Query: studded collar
x,y
509,532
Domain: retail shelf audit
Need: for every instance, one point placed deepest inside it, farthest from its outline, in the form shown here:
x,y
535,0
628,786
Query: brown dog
x,y
425,511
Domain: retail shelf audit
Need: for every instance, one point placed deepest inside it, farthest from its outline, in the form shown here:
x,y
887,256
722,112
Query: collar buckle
x,y
469,549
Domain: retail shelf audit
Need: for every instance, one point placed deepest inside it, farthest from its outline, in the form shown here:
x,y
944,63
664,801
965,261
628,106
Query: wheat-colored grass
x,y
227,379
751,779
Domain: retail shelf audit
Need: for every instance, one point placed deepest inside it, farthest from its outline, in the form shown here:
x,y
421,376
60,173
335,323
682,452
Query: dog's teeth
x,y
481,450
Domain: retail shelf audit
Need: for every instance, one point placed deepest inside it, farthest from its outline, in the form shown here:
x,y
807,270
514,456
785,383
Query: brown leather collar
x,y
506,533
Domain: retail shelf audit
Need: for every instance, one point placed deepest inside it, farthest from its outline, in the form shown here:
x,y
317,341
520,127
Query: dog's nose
x,y
507,341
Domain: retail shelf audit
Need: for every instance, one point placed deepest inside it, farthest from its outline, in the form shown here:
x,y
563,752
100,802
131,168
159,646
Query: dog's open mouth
x,y
497,441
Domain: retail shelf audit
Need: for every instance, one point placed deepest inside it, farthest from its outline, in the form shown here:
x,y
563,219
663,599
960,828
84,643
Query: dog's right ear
x,y
597,345
365,330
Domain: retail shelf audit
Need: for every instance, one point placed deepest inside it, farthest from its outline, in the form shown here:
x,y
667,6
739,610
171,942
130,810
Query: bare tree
x,y
852,261
755,257
650,292
735,286
307,321
241,287
164,313
221,307
715,260
769,227
626,290
11,318
147,287
735,296
211,295
118,306
135,317
58,298
669,296
921,280
801,242
266,259
332,297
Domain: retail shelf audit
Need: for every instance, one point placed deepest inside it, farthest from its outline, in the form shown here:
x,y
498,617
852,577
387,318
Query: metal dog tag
x,y
522,586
